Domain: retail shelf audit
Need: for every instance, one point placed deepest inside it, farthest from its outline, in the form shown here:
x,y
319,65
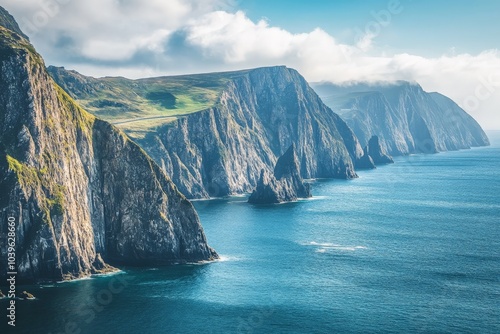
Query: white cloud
x,y
235,38
145,38
107,30
473,81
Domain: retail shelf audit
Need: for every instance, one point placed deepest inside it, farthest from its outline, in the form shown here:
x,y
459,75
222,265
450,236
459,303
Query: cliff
x,y
7,21
405,117
221,149
377,152
83,195
285,185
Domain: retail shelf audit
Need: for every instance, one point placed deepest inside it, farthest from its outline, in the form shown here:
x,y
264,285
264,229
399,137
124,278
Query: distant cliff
x,y
221,150
405,117
82,194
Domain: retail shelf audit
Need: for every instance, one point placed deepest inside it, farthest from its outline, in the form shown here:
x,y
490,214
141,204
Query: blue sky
x,y
451,47
426,27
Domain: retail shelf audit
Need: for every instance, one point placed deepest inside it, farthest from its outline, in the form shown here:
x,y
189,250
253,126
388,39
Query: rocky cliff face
x,y
377,152
221,150
405,117
284,185
7,21
82,194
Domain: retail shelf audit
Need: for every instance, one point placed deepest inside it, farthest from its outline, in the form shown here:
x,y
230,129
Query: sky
x,y
447,46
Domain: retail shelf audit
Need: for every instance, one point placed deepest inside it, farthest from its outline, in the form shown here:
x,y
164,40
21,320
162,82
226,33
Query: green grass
x,y
28,176
39,180
12,43
120,100
140,106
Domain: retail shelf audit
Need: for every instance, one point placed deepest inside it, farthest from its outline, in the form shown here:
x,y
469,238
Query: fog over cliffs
x,y
404,117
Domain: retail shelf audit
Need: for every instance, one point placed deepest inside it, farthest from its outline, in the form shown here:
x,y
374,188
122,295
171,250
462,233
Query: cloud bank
x,y
147,38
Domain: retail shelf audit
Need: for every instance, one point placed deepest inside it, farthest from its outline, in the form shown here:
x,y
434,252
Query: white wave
x,y
226,258
327,246
315,198
86,278
203,199
93,276
112,273
286,203
240,195
222,258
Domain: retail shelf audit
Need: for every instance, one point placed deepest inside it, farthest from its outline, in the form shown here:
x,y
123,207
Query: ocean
x,y
412,247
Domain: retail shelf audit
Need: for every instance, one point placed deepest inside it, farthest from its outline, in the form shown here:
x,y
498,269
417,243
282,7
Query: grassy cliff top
x,y
138,106
11,41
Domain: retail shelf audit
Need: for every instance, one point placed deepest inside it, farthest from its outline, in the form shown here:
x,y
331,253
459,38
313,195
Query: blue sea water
x,y
412,247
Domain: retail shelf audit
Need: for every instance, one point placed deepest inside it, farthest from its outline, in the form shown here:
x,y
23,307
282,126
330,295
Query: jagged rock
x,y
406,118
222,149
377,153
288,168
269,191
8,21
365,162
285,185
25,295
83,195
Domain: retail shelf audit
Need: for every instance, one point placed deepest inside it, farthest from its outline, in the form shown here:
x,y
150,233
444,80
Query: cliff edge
x,y
82,195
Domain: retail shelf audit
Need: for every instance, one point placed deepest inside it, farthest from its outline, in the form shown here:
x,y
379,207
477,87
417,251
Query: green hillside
x,y
138,106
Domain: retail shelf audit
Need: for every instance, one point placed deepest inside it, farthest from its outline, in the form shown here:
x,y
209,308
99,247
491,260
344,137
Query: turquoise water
x,y
412,247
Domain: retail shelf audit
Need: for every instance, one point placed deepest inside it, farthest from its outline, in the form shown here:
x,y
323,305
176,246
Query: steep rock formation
x,y
7,21
82,194
405,117
377,152
285,185
366,162
259,113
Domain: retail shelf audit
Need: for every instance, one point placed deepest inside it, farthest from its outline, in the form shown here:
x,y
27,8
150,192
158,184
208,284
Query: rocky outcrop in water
x,y
285,185
405,117
26,295
377,153
83,196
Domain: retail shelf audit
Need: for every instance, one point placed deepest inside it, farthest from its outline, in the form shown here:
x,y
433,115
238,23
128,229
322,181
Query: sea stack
x,y
284,185
377,152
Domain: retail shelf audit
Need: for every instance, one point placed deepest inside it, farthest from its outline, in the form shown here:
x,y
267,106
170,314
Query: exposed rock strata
x,y
284,185
82,195
221,150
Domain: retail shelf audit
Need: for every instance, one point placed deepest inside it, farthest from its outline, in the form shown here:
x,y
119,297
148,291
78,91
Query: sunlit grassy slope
x,y
139,106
